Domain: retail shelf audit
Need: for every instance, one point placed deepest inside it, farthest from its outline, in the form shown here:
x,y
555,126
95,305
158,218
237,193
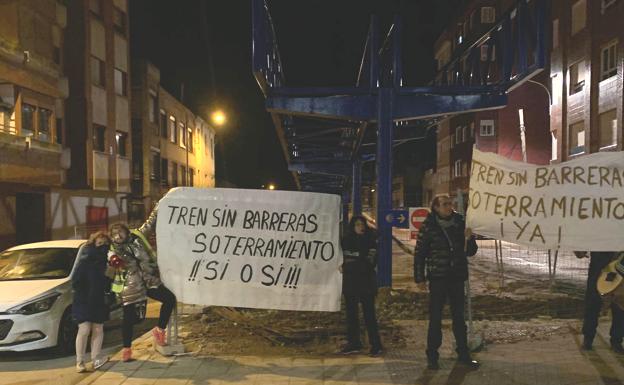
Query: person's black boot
x,y
350,349
468,361
375,351
432,364
616,346
587,343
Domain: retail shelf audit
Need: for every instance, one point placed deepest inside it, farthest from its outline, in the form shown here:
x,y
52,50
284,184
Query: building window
x,y
460,33
164,168
458,135
163,124
577,77
608,61
121,82
608,129
189,140
152,107
58,131
579,16
174,174
183,175
191,177
555,33
472,125
155,166
577,138
122,143
99,138
44,130
488,15
452,140
56,55
98,72
119,20
486,128
465,134
28,120
473,20
182,135
95,6
457,170
173,130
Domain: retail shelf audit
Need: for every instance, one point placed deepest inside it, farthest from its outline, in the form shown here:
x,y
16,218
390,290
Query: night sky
x,y
206,45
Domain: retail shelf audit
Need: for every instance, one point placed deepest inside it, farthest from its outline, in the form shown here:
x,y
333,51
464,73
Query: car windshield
x,y
45,263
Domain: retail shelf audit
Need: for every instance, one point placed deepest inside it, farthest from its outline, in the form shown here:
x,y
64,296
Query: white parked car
x,y
36,296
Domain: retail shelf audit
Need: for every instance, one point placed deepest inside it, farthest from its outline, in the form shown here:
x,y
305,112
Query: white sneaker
x,y
80,367
99,362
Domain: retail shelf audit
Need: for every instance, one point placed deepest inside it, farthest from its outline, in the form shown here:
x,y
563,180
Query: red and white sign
x,y
417,216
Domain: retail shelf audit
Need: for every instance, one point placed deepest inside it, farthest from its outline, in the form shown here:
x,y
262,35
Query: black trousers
x,y
593,305
161,294
439,291
370,319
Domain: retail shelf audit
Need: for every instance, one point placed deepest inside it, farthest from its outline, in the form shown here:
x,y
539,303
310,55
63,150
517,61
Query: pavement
x,y
556,360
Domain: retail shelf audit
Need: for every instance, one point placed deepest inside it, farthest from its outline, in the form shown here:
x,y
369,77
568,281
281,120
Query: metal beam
x,y
356,107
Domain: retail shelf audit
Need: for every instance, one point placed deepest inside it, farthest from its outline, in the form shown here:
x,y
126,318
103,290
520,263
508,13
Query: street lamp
x,y
218,117
271,186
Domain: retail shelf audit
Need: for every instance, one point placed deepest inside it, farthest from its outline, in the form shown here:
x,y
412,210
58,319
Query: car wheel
x,y
66,343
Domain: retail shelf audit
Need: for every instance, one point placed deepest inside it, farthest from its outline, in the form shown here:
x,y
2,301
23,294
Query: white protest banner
x,y
576,205
251,248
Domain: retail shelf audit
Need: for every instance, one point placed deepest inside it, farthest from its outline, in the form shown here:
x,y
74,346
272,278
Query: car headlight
x,y
37,306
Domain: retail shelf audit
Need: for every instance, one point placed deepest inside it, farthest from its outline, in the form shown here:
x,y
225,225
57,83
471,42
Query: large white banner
x,y
576,205
251,248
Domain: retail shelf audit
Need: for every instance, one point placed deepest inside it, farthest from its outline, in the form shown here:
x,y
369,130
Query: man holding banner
x,y
442,246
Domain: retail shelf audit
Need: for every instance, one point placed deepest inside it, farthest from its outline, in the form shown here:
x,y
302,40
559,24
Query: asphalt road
x,y
44,367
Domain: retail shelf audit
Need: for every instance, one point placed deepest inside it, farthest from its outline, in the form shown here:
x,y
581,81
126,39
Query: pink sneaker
x,y
126,355
159,336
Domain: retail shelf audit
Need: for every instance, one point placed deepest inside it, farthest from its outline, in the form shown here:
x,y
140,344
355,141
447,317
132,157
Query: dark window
x,y
155,166
191,177
182,135
183,175
28,119
45,124
121,82
56,55
59,131
119,20
99,138
98,72
152,107
174,174
577,77
122,143
164,168
163,124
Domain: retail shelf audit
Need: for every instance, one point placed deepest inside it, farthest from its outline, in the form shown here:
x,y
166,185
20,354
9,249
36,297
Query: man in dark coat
x,y
593,303
359,284
441,249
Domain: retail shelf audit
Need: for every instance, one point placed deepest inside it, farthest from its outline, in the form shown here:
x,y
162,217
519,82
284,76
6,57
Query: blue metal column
x,y
384,184
356,193
345,213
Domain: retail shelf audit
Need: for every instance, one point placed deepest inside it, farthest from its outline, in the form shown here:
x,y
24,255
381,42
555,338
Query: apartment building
x,y
33,90
490,131
586,77
97,118
172,146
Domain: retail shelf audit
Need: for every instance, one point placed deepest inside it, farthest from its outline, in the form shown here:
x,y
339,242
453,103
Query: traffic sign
x,y
398,218
416,215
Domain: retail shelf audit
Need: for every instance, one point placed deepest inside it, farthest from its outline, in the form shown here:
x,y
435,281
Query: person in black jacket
x,y
441,249
89,308
593,303
359,285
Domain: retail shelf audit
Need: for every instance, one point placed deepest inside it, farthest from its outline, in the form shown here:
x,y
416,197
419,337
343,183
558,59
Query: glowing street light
x,y
218,117
271,186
